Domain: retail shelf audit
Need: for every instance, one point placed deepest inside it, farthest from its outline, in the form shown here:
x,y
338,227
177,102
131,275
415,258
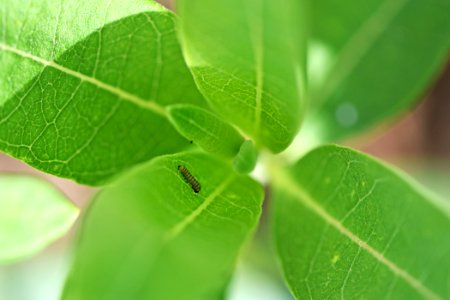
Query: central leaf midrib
x,y
122,94
256,33
178,228
300,193
351,54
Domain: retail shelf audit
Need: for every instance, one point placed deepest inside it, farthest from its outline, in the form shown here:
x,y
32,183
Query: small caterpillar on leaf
x,y
196,187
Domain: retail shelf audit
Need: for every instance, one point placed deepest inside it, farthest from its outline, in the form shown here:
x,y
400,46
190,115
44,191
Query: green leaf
x,y
348,226
33,214
370,60
150,236
205,129
248,59
245,160
84,84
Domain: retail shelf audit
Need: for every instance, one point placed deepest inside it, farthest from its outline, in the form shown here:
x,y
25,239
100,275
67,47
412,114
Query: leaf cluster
x,y
169,114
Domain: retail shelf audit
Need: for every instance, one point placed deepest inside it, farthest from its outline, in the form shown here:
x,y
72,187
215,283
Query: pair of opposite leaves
x,y
344,224
79,104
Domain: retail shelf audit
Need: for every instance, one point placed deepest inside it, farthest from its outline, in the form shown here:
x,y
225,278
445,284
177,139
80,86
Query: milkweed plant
x,y
168,113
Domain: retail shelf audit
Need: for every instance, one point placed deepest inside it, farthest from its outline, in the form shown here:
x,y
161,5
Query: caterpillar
x,y
196,187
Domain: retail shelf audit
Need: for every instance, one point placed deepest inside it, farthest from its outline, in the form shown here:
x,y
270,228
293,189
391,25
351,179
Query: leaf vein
x,y
178,228
309,202
359,44
150,105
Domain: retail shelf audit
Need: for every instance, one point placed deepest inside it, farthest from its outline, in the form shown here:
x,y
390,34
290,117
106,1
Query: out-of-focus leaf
x,y
245,160
32,215
205,129
370,60
347,226
83,85
150,236
248,59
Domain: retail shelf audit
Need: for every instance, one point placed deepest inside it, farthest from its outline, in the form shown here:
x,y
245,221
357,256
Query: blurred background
x,y
417,142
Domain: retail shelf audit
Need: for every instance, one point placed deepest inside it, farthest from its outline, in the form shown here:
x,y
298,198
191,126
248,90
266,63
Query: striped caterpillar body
x,y
196,187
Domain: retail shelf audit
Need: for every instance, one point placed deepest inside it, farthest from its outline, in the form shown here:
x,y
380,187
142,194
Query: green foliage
x,y
245,160
205,129
370,60
249,62
33,214
84,85
101,89
149,236
345,225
